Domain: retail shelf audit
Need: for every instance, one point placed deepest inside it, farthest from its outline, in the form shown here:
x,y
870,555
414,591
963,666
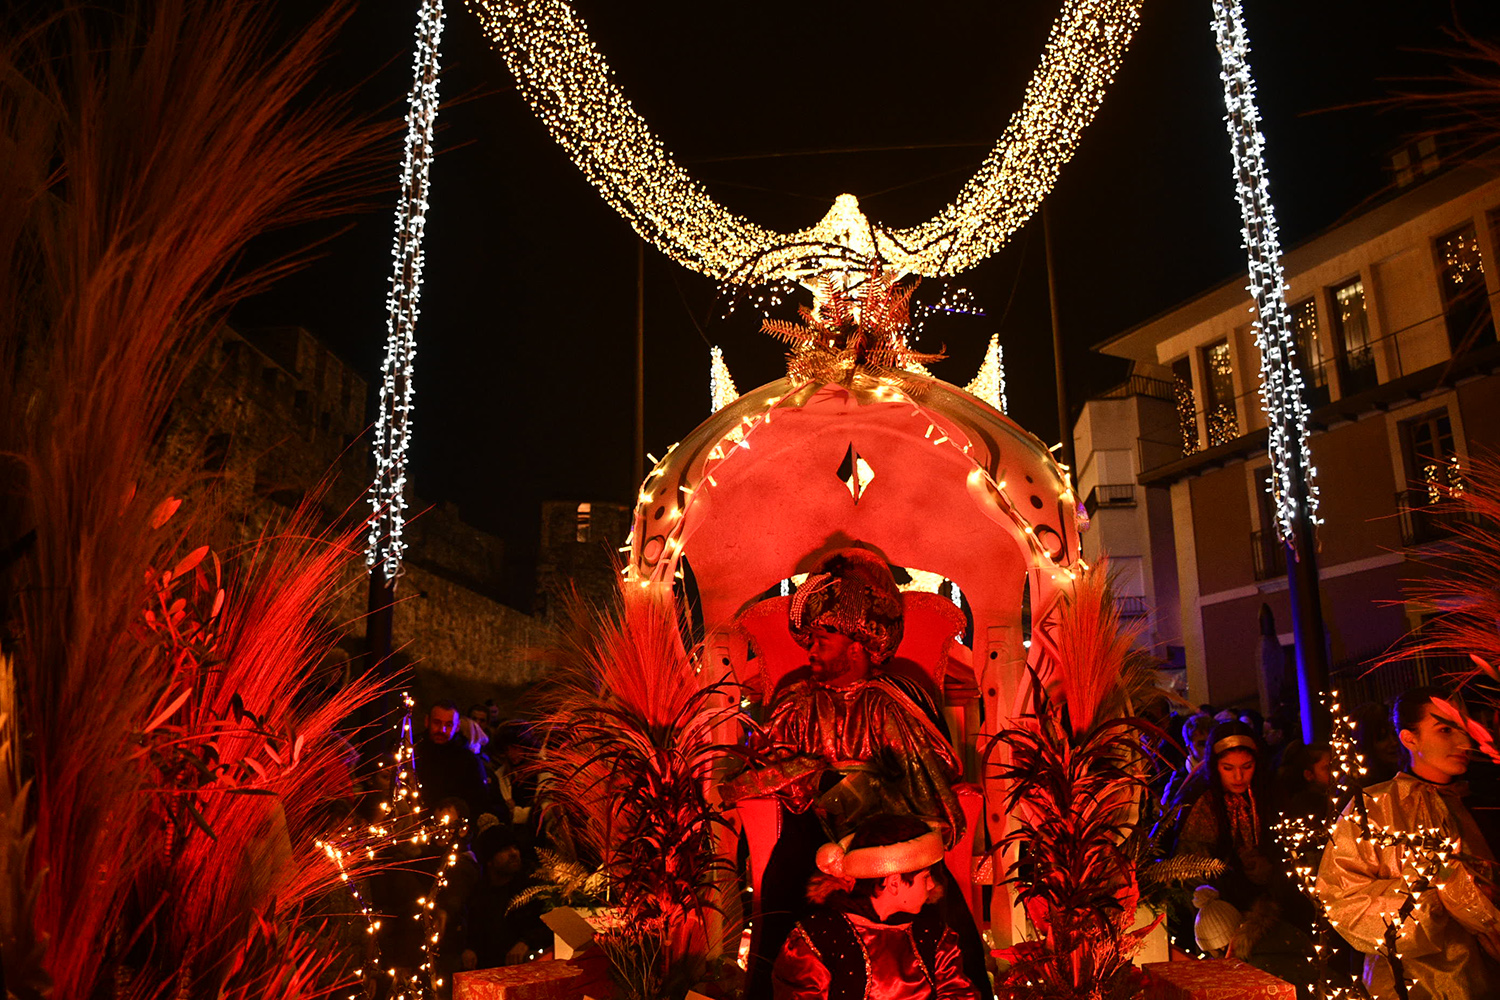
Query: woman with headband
x,y
1230,821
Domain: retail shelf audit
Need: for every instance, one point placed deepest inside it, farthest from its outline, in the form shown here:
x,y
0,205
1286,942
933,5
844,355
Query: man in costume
x,y
1450,932
872,933
844,740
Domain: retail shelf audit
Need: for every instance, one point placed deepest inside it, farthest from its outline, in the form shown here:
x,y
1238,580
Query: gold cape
x,y
877,734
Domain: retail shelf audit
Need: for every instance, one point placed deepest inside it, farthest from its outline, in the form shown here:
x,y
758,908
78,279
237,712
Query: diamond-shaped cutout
x,y
855,473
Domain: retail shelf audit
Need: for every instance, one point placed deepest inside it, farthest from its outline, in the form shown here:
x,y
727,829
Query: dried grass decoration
x,y
144,147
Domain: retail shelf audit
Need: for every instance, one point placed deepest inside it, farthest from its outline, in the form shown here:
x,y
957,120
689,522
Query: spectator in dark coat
x,y
447,767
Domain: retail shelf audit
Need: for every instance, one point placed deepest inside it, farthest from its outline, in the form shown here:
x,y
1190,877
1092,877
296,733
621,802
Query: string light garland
x,y
569,85
1293,485
721,389
385,544
653,562
1426,852
402,820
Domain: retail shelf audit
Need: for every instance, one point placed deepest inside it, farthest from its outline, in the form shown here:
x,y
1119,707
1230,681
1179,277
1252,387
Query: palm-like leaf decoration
x,y
1077,777
635,743
858,326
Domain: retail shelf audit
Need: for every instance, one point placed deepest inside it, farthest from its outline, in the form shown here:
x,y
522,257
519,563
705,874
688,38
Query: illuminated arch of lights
x,y
570,87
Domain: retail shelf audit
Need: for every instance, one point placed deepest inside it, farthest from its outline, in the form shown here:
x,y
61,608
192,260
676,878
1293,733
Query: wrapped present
x,y
541,980
1213,979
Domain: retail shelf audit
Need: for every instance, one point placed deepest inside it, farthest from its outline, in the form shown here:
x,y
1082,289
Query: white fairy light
x,y
393,421
569,85
989,383
721,389
1292,472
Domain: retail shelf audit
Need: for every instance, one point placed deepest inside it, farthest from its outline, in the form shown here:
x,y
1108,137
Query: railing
x,y
1358,681
1415,347
1109,495
1131,607
1140,385
1269,553
1425,520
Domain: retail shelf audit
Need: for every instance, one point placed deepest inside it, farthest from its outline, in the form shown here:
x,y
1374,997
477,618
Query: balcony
x,y
1109,495
1269,554
1425,521
1411,370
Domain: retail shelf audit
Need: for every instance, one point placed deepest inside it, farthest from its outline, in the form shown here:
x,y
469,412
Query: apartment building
x,y
1393,312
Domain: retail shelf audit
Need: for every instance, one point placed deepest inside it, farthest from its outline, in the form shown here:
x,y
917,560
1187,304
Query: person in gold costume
x,y
846,738
1450,941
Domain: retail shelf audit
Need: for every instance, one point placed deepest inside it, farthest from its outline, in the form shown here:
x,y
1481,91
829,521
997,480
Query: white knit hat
x,y
1217,920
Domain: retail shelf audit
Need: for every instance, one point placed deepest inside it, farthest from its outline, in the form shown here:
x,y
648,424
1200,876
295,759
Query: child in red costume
x,y
873,935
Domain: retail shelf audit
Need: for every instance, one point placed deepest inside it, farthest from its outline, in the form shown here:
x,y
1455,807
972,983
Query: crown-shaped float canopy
x,y
922,472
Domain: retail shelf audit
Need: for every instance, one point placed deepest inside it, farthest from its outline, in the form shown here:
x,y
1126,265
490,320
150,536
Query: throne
x,y
930,654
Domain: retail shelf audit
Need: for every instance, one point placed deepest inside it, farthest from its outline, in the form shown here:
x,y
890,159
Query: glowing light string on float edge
x,y
393,420
1292,472
658,568
570,87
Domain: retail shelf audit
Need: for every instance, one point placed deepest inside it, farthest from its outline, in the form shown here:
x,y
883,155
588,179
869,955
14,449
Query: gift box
x,y
540,980
574,930
1213,979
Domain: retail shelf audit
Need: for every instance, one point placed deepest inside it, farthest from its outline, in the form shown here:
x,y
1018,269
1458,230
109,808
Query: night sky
x,y
525,344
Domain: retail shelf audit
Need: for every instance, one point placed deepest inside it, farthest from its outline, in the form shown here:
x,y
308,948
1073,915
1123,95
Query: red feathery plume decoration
x,y
144,149
1463,591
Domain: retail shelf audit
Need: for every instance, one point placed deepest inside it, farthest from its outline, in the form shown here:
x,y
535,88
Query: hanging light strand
x,y
1293,483
569,85
385,545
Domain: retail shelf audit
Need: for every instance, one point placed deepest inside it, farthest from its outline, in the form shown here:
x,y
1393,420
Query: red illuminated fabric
x,y
1362,888
893,969
1213,979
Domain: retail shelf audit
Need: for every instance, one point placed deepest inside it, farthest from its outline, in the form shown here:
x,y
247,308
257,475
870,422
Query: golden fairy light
x,y
570,87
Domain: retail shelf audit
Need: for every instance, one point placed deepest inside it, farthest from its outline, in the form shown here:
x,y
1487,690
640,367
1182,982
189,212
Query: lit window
x,y
1218,396
585,510
1310,351
1352,326
1466,306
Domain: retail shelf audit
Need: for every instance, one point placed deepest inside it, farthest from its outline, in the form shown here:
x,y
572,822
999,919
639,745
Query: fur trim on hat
x,y
877,862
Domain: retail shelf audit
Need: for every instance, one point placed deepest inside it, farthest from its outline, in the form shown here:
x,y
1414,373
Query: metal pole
x,y
1064,412
638,456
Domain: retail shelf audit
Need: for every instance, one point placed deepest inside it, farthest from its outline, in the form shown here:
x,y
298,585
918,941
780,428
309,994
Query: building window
x,y
1466,305
1433,473
1310,360
1432,463
1268,550
581,532
1415,160
1187,405
1218,394
1351,328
